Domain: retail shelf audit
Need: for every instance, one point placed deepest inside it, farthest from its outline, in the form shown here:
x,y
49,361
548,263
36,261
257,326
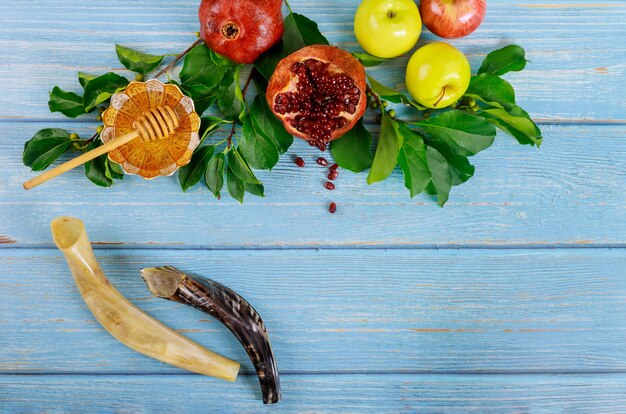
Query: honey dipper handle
x,y
81,159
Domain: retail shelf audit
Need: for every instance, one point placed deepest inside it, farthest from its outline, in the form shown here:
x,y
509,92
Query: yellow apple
x,y
387,28
437,75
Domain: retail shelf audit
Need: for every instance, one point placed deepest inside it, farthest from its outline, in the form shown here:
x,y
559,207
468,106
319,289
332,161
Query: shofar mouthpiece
x,y
163,281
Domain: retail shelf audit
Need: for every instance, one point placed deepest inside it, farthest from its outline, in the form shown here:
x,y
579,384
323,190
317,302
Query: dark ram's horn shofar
x,y
230,309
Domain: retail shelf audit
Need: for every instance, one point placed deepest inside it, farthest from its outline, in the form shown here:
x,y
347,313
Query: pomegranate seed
x,y
334,167
299,162
321,96
332,208
321,146
329,185
333,175
322,161
312,143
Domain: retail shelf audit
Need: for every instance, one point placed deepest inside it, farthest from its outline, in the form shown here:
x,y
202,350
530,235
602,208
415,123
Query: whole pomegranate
x,y
318,93
241,30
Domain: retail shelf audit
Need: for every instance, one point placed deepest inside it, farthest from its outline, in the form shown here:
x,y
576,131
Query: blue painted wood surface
x,y
345,310
510,299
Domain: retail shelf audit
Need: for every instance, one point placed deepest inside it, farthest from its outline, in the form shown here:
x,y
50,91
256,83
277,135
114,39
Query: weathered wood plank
x,y
574,73
317,393
418,311
571,191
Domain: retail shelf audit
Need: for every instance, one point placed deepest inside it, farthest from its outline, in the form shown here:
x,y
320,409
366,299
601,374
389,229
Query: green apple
x,y
437,75
387,28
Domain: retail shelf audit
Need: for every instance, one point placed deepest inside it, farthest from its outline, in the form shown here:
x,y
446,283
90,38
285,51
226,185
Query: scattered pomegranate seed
x,y
334,167
329,185
322,161
332,208
333,175
299,162
321,146
312,143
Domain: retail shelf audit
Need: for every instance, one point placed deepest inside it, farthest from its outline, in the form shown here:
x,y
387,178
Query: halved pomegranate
x,y
241,30
318,93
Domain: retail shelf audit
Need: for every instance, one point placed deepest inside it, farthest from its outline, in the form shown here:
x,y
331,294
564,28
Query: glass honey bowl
x,y
158,157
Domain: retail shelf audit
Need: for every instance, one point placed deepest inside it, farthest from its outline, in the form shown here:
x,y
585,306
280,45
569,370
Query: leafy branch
x,y
433,149
176,59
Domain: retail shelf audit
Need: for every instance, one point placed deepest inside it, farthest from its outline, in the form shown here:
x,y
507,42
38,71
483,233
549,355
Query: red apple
x,y
452,18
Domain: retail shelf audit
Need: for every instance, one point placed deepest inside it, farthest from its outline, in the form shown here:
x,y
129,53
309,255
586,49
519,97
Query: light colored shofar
x,y
127,323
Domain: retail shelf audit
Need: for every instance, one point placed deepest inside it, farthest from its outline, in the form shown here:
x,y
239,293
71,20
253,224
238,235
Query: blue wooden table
x,y
511,298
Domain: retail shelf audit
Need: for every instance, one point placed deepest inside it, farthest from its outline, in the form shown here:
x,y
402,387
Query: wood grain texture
x,y
418,311
318,394
571,191
574,72
354,330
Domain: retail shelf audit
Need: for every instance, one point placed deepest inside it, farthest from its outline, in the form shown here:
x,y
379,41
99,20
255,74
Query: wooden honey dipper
x,y
156,124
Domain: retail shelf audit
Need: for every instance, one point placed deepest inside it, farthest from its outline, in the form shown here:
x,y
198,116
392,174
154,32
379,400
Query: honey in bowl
x,y
153,158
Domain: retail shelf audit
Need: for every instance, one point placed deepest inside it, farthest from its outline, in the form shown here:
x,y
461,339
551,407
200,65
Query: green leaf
x,y
45,147
268,124
68,103
200,69
214,176
203,70
203,97
458,165
220,60
210,124
256,189
386,93
441,180
301,31
413,162
368,60
266,63
136,61
353,150
386,157
190,174
513,120
229,97
114,171
464,133
240,168
511,58
392,95
234,184
83,78
516,123
258,148
492,88
98,169
100,89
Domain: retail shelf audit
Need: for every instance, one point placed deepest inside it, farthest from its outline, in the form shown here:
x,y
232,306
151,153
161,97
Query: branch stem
x,y
288,6
177,58
93,137
230,136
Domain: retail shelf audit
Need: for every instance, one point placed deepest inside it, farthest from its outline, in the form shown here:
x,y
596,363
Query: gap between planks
x,y
582,245
485,373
